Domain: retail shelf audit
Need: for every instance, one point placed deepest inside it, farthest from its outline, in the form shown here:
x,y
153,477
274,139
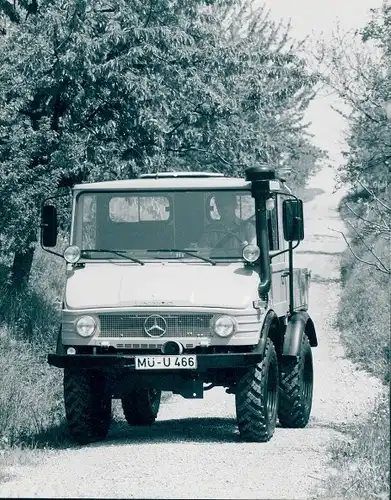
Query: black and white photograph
x,y
195,249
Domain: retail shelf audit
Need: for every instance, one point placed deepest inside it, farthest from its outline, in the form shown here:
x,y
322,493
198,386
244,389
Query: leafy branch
x,y
379,266
200,150
382,228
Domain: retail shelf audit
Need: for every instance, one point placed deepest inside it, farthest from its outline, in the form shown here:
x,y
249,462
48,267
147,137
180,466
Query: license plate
x,y
166,362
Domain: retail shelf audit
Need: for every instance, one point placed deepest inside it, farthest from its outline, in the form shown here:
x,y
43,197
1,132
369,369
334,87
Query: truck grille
x,y
158,325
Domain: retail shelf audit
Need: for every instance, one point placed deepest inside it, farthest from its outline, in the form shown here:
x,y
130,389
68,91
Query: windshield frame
x,y
77,214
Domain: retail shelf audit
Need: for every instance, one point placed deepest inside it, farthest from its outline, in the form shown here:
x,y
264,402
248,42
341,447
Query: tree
x,y
104,90
358,69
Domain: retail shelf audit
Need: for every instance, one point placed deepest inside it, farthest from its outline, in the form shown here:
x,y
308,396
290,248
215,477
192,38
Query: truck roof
x,y
172,182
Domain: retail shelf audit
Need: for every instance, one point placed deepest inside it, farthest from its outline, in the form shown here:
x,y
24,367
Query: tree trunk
x,y
21,267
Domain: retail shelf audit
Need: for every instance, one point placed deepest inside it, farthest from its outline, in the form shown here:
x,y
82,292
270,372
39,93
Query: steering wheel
x,y
226,233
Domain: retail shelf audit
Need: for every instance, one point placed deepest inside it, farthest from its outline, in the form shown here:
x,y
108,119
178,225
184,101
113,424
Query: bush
x,y
31,392
362,463
364,316
34,314
31,399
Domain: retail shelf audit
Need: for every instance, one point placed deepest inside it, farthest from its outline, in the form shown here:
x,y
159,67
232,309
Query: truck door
x,y
279,289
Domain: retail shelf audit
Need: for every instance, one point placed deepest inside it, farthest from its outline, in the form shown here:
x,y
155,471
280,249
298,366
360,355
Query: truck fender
x,y
270,320
299,323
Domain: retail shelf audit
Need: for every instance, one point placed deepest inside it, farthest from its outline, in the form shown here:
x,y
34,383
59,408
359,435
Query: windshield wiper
x,y
115,252
189,251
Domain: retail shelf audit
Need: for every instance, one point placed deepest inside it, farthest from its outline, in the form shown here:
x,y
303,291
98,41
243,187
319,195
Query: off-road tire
x,y
141,406
256,399
87,401
296,387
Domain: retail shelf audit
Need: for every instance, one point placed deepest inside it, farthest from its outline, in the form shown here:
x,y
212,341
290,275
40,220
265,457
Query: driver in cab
x,y
229,232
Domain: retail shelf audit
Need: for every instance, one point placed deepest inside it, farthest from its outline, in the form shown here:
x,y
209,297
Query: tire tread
x,y
292,412
250,405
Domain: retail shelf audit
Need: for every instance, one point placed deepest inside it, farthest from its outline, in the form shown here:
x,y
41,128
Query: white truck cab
x,y
183,281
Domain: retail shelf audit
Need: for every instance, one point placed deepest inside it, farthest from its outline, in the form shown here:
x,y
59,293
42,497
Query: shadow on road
x,y
317,278
318,252
210,430
182,430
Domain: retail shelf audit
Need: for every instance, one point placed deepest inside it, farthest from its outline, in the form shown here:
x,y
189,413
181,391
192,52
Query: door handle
x,y
284,274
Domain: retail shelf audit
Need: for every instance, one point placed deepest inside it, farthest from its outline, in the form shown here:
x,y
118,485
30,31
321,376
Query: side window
x,y
139,208
244,207
88,237
272,223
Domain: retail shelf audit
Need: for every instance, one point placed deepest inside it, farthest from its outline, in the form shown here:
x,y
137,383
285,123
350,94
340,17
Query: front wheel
x,y
257,398
296,387
87,401
141,406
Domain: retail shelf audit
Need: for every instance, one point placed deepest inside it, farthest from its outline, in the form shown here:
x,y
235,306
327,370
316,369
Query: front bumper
x,y
205,362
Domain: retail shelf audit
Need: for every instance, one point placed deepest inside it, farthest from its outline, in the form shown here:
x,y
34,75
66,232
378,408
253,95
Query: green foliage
x,y
361,463
33,314
359,73
31,392
104,90
364,310
364,318
357,69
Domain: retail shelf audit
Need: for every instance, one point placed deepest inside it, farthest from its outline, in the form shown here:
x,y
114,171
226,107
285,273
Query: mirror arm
x,y
286,194
272,254
51,251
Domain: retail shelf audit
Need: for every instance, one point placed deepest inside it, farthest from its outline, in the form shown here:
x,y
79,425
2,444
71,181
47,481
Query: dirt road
x,y
193,451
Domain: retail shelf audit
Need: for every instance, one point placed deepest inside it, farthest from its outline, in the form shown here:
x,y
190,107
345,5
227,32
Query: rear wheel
x,y
87,401
141,406
257,398
296,387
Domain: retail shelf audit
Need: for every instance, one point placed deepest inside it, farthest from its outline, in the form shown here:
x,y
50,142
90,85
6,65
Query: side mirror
x,y
49,226
293,220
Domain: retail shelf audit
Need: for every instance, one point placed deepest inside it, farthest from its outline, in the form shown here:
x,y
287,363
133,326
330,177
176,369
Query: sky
x,y
318,18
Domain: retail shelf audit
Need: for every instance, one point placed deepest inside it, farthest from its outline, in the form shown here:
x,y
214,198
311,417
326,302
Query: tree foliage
x,y
109,89
358,68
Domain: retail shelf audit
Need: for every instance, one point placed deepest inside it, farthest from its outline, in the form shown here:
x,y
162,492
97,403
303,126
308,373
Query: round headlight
x,y
85,326
251,253
224,326
72,254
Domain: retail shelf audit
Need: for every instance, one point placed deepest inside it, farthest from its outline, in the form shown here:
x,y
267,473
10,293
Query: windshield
x,y
164,225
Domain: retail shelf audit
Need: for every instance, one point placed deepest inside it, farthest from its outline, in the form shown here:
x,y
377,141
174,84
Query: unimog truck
x,y
166,292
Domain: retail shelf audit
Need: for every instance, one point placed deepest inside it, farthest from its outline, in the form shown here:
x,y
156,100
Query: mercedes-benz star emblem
x,y
155,326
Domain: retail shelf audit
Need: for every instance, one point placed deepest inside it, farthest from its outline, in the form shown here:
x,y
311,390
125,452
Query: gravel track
x,y
193,450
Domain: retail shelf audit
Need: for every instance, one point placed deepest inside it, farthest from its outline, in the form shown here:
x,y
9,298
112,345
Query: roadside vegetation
x,y
361,463
109,90
359,73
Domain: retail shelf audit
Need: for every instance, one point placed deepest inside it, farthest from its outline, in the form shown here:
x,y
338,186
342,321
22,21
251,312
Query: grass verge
x,y
361,463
